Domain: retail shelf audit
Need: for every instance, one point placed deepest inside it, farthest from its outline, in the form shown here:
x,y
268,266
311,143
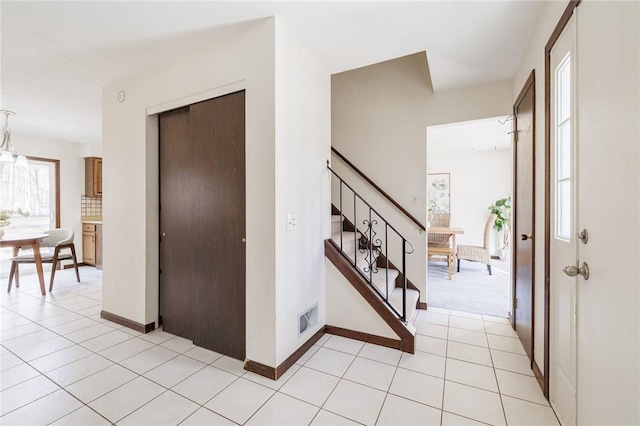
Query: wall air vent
x,y
307,319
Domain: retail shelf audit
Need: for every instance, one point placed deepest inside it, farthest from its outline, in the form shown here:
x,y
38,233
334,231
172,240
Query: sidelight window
x,y
563,149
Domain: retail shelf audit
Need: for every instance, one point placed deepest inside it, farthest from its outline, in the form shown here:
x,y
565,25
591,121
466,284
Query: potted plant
x,y
502,209
4,220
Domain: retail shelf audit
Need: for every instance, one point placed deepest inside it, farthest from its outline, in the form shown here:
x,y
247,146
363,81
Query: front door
x,y
564,246
202,223
524,111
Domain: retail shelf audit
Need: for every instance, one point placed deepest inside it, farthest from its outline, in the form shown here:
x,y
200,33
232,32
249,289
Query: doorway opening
x,y
469,177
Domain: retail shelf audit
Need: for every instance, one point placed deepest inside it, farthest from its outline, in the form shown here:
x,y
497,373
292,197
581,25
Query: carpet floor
x,y
472,289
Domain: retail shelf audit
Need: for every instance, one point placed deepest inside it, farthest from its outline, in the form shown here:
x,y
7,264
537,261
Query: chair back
x,y
487,230
57,236
439,219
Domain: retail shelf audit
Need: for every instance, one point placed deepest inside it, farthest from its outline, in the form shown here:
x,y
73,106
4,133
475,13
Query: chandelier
x,y
8,154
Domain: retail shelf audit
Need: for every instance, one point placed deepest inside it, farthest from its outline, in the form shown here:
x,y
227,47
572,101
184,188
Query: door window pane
x,y
564,209
564,89
563,149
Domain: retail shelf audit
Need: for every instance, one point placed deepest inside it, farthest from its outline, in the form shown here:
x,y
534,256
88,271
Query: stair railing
x,y
377,188
370,244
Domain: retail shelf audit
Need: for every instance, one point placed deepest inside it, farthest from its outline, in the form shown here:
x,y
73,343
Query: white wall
x,y
380,114
303,141
130,175
287,144
477,180
348,309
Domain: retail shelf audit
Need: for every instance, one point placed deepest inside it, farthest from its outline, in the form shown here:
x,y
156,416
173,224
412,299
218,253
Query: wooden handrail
x,y
380,190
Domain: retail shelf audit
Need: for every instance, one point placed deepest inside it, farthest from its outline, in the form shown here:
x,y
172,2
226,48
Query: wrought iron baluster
x,y
355,231
370,242
341,216
404,280
386,255
373,245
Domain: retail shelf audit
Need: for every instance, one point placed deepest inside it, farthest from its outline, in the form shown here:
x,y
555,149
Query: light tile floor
x,y
62,364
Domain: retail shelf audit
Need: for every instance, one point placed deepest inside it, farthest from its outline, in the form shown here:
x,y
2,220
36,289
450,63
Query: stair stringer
x,y
394,330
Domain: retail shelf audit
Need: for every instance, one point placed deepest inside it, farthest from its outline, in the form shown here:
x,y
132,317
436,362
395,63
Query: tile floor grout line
x,y
156,397
83,405
278,390
504,412
216,394
37,399
343,416
337,383
466,417
444,379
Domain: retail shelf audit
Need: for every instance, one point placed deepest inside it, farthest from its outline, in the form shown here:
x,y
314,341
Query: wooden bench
x,y
442,251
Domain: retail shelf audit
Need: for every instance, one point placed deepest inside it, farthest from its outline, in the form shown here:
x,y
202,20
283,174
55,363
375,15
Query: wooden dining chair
x,y
58,239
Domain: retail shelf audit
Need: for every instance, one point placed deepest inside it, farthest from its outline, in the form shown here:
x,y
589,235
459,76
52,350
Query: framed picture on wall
x,y
439,193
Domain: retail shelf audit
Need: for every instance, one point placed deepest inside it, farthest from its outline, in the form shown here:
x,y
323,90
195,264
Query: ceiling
x,y
56,56
470,136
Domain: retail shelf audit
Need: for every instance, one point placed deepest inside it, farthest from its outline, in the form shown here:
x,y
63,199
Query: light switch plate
x,y
292,222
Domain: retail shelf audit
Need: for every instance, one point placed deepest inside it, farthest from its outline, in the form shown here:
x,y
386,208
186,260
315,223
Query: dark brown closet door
x,y
175,248
211,225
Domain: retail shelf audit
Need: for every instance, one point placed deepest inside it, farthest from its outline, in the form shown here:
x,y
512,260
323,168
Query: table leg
x,y
14,273
455,254
38,258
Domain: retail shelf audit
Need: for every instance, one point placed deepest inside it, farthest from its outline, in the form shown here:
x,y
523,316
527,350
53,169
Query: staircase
x,y
362,247
382,276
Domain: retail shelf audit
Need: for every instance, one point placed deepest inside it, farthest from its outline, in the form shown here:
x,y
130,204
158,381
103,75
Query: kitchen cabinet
x,y
93,177
99,246
89,243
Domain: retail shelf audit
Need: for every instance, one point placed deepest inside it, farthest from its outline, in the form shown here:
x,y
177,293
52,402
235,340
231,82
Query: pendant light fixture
x,y
8,154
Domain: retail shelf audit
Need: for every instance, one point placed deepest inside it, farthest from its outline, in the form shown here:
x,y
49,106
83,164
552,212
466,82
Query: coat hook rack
x,y
509,118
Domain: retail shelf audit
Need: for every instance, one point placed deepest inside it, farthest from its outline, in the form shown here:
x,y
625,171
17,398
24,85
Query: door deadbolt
x,y
583,236
525,237
572,271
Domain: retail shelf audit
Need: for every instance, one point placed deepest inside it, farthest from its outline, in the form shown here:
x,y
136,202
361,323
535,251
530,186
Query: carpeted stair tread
x,y
346,236
363,259
380,279
412,299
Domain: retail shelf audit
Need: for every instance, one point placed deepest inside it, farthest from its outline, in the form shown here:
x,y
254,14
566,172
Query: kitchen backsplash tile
x,y
90,206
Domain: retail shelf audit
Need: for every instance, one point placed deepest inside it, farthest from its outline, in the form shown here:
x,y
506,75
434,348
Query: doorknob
x,y
525,237
244,240
572,271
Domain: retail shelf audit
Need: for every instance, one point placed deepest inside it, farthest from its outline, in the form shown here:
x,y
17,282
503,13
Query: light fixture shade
x,y
6,157
7,149
22,161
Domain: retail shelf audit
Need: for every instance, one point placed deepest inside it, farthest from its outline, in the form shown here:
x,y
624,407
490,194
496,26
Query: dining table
x,y
443,249
445,230
17,241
